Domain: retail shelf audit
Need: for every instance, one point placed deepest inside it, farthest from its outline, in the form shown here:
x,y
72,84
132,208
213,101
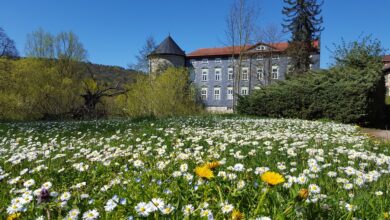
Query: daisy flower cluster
x,y
192,168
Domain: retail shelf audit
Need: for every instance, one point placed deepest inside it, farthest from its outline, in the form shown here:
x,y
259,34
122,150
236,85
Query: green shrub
x,y
341,94
167,94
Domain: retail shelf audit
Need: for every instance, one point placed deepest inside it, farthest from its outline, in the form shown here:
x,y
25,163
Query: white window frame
x,y
260,76
230,74
205,75
289,68
259,57
218,60
203,93
273,72
247,73
217,93
229,93
257,87
219,71
244,89
205,61
193,61
275,57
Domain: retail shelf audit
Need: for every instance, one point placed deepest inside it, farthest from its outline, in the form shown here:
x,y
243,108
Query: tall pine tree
x,y
303,20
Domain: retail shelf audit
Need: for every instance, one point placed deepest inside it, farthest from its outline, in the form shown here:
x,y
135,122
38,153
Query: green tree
x,y
167,94
303,20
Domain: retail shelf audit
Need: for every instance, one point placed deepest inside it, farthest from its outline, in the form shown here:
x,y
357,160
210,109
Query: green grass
x,y
114,161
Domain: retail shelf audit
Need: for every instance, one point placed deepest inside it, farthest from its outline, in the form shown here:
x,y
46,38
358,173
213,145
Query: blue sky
x,y
113,31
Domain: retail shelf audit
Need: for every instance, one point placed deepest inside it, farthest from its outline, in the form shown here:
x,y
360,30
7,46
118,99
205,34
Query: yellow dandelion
x,y
213,164
237,215
204,172
303,194
272,178
13,216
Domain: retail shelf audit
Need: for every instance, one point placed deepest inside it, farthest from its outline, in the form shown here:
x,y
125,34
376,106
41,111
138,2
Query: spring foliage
x,y
166,94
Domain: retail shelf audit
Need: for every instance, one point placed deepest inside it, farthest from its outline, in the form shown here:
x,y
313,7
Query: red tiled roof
x,y
224,51
386,58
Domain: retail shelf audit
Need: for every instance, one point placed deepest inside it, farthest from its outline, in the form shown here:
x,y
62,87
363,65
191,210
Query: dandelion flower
x,y
213,164
13,216
272,178
204,172
303,194
237,215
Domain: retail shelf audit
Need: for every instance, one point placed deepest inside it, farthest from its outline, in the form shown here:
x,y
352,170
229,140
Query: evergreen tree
x,y
303,20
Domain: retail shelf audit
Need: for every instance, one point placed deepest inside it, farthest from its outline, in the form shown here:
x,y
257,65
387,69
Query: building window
x,y
259,57
205,61
260,47
257,87
218,60
203,93
289,69
230,74
275,72
244,90
260,72
244,73
217,93
275,57
230,59
205,74
229,93
193,62
217,74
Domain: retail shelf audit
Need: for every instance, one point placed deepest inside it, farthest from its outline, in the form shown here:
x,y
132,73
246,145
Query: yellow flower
x,y
237,215
303,194
386,215
13,216
213,165
204,172
272,178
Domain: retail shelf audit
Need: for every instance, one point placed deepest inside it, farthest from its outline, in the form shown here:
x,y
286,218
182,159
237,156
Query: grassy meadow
x,y
192,168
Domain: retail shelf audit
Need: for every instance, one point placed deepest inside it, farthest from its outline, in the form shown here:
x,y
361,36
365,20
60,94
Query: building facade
x,y
213,70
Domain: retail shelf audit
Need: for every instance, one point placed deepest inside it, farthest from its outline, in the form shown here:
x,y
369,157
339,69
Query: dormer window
x,y
261,47
218,60
205,61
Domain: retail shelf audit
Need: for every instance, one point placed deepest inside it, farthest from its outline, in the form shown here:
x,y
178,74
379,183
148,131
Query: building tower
x,y
167,54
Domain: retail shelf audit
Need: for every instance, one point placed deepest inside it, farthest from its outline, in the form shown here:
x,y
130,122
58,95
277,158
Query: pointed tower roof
x,y
168,46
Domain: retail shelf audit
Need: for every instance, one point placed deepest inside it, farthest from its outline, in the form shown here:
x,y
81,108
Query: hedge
x,y
341,94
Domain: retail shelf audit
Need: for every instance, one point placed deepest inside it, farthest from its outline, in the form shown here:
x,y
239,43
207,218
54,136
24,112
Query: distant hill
x,y
112,73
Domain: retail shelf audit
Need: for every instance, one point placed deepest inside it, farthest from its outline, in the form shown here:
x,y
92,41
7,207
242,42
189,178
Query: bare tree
x,y
7,45
240,27
69,47
142,64
269,35
40,44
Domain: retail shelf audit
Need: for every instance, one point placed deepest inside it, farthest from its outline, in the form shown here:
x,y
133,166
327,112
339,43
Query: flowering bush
x,y
181,168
